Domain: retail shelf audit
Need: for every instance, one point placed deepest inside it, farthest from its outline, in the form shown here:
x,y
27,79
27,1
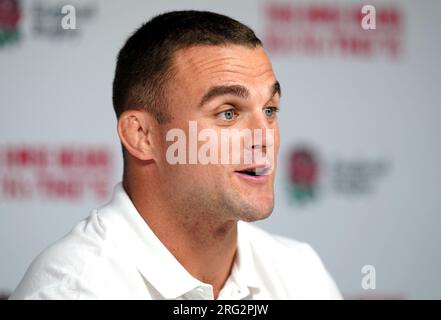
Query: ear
x,y
135,129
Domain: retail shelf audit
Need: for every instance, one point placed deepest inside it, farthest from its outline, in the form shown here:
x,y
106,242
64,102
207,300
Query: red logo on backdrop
x,y
10,14
303,168
310,175
303,172
65,173
331,30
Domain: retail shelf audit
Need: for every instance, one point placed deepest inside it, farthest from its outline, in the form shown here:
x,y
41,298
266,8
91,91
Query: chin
x,y
258,210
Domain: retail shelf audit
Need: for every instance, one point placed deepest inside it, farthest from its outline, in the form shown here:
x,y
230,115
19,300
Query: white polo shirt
x,y
113,254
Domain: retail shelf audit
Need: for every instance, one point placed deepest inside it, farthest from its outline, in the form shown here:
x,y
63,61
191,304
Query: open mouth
x,y
256,172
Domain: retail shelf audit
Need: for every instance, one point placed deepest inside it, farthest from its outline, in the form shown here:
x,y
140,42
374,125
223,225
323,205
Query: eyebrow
x,y
276,89
235,90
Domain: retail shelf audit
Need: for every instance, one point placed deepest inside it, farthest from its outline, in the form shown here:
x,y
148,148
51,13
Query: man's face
x,y
222,88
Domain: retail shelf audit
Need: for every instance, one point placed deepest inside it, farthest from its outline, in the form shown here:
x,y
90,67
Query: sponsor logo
x,y
55,172
336,30
60,21
345,177
10,15
357,177
303,170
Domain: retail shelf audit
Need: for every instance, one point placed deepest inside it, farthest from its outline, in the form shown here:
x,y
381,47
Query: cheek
x,y
199,172
211,176
276,140
205,178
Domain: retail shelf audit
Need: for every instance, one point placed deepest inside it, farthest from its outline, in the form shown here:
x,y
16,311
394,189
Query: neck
x,y
204,244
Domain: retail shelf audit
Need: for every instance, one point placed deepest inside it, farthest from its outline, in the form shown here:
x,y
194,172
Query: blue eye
x,y
270,111
227,115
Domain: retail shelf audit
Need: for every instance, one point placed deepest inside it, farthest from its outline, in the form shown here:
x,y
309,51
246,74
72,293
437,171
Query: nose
x,y
262,131
259,145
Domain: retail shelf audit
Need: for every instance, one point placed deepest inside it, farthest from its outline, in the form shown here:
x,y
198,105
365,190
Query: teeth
x,y
260,171
257,171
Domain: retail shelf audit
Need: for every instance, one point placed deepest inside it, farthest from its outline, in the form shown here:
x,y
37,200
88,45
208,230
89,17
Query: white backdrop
x,y
359,175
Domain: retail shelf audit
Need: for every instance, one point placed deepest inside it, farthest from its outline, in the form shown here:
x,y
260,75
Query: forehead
x,y
204,66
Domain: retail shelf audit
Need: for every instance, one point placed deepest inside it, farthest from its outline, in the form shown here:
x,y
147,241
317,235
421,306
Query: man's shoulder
x,y
292,263
60,269
87,240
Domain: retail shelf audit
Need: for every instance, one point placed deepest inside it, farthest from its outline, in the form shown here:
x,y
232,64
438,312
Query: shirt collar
x,y
132,235
156,264
245,266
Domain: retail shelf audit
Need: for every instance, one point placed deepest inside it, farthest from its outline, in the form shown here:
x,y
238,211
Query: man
x,y
177,228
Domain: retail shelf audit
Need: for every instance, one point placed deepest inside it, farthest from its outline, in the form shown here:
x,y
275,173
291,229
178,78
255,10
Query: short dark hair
x,y
144,63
